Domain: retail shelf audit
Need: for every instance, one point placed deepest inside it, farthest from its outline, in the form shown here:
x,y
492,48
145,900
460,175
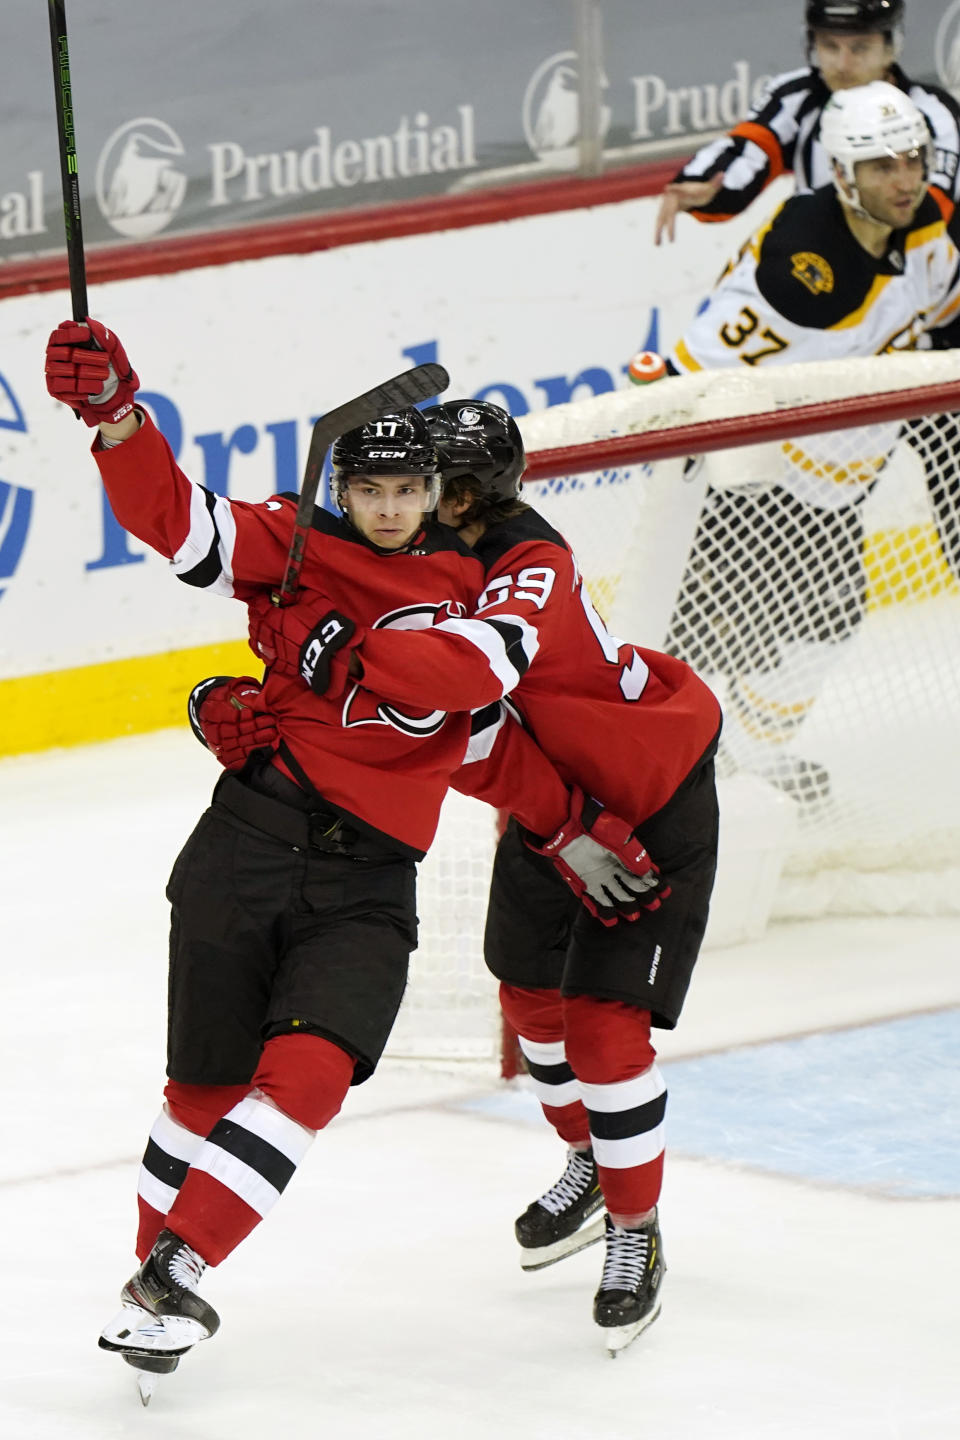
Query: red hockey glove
x,y
603,862
304,640
222,718
95,379
278,632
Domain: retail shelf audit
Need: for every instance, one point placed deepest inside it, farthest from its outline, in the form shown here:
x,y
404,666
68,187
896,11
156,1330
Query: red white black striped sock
x,y
237,1175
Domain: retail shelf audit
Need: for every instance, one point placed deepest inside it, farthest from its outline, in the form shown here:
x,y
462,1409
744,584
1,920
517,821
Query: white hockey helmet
x,y
866,123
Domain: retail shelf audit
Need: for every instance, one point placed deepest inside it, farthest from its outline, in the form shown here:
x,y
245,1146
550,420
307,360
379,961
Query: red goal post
x,y
627,478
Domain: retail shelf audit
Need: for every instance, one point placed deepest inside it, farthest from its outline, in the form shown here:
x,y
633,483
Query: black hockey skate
x,y
162,1316
557,1225
629,1296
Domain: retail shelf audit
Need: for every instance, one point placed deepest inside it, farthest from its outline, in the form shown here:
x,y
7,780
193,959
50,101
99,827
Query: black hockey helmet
x,y
480,442
855,16
396,444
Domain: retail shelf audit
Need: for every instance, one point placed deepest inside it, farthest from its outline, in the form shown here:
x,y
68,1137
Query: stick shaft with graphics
x,y
60,56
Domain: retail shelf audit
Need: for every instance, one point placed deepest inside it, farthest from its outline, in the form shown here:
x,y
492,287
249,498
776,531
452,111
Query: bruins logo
x,y
813,271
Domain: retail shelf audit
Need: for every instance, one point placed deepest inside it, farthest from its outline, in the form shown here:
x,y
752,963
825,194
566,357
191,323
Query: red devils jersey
x,y
627,725
385,763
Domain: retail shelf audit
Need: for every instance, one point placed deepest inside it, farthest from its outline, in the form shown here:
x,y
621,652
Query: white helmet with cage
x,y
868,122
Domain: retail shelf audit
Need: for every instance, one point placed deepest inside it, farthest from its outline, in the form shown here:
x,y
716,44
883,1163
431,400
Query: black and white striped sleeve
x,y
508,643
205,558
758,149
460,664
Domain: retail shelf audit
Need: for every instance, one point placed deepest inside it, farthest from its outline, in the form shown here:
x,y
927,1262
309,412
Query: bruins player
x,y
861,267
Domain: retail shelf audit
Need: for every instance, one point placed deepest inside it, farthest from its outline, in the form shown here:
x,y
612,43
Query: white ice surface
x,y
383,1299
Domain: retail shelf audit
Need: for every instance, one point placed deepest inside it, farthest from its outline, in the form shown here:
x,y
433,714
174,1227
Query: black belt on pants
x,y
303,829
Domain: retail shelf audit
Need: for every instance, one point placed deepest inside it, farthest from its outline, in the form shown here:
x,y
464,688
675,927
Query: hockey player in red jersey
x,y
293,905
633,728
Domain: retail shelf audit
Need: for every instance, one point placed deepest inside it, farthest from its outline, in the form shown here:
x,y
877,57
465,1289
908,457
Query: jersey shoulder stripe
x,y
855,318
815,274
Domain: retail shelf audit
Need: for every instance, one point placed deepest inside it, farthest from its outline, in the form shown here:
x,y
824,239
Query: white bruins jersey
x,y
804,289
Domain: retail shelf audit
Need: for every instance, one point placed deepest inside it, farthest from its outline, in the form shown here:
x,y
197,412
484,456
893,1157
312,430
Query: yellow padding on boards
x,y
121,697
905,564
149,692
902,564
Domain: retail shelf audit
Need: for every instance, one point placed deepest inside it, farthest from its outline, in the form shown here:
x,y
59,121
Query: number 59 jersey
x,y
626,724
803,288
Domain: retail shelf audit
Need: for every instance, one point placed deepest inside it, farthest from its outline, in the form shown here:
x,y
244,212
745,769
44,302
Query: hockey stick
x,y
409,388
68,158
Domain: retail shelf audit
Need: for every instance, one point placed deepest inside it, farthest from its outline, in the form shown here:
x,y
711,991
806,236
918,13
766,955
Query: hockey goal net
x,y
794,534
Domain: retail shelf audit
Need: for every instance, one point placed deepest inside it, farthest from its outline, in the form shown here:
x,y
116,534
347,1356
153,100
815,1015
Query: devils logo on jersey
x,y
362,707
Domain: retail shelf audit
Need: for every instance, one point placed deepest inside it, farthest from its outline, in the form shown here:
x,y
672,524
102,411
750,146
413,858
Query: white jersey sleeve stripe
x,y
205,559
508,642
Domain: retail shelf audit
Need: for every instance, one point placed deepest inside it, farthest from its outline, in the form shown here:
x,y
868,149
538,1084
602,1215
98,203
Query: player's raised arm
x,y
214,543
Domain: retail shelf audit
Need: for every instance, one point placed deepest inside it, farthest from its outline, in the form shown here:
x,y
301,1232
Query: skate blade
x,y
146,1384
149,1369
618,1337
544,1255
